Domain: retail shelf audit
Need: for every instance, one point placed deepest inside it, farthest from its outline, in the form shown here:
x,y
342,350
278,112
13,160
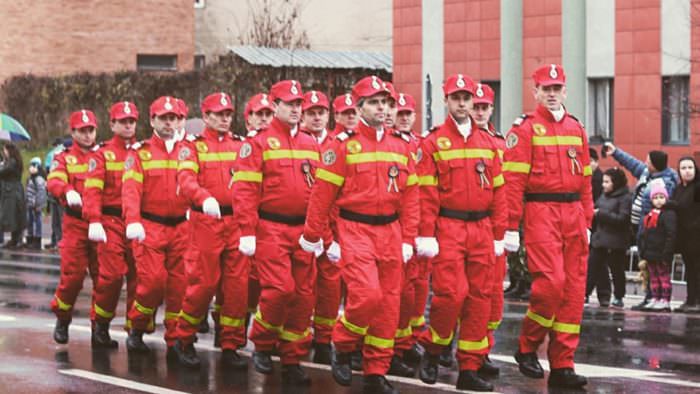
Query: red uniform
x,y
463,206
102,203
374,185
150,197
547,161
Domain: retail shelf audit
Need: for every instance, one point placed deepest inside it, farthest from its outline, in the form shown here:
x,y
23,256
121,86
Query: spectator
x,y
12,209
597,177
656,247
54,207
611,239
36,202
687,198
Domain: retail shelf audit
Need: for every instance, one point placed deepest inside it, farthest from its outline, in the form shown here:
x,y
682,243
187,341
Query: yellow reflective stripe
x,y
231,322
404,332
541,320
188,165
293,337
114,166
217,307
102,312
500,153
77,168
412,180
353,328
191,319
330,177
417,321
62,305
513,166
498,181
58,174
159,165
171,315
94,182
493,325
436,339
373,157
427,180
587,171
290,154
566,328
268,326
217,156
444,155
324,321
132,174
473,345
248,176
379,342
143,309
554,140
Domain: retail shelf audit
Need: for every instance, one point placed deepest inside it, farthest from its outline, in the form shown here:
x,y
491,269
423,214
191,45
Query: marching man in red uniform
x,y
546,163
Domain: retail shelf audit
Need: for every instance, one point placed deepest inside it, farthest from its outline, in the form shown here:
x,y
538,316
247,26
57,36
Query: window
x,y
496,116
675,111
156,62
599,124
198,3
199,62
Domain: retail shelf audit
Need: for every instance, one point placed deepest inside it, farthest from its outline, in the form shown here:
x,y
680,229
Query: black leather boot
x,y
60,332
446,358
322,353
262,362
429,368
293,374
566,378
413,355
340,368
470,380
101,338
488,368
134,342
356,360
217,336
529,365
377,384
399,368
203,326
232,360
186,355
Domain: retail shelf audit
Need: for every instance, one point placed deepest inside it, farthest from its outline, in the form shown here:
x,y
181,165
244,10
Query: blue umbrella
x,y
12,130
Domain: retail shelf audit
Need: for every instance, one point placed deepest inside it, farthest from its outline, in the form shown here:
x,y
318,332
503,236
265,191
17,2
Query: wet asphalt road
x,y
621,350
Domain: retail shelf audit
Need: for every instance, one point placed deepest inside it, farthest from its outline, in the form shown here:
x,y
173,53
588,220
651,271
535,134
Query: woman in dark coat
x,y
611,239
13,215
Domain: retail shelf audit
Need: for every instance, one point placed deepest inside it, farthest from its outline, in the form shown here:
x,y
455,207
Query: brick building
x,y
629,71
59,37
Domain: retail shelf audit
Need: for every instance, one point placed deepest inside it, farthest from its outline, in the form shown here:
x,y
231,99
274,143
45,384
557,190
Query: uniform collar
x,y
121,142
285,127
370,132
452,125
547,114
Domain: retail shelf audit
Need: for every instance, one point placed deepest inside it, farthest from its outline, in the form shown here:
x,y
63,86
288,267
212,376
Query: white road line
x,y
4,318
129,384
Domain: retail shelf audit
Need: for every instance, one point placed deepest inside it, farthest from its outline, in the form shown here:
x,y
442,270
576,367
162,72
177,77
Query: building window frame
x,y
156,62
600,114
496,115
675,110
200,62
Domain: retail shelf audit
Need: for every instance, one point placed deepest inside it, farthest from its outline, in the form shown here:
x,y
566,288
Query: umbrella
x,y
194,126
12,130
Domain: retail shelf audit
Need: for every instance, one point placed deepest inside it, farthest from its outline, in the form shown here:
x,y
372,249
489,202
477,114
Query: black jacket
x,y
612,220
687,197
657,244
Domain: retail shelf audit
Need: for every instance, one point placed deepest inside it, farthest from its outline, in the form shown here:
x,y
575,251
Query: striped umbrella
x,y
12,130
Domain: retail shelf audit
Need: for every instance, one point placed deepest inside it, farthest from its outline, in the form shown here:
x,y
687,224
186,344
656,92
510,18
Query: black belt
x,y
112,211
552,197
276,217
170,221
467,216
377,220
73,213
226,210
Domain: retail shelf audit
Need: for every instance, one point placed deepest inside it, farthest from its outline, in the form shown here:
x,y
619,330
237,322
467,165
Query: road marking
x,y
4,318
129,384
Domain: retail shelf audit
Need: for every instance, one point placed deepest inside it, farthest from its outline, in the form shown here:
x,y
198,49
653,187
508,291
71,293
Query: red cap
x,y
256,103
458,83
367,87
123,110
343,103
314,98
484,94
182,107
217,102
82,118
390,88
406,102
550,74
287,90
164,105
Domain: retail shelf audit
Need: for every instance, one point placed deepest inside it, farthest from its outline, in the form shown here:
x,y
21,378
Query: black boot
x,y
262,362
511,287
413,355
232,360
186,355
377,384
399,368
101,338
488,368
529,365
36,243
322,353
356,360
217,336
340,368
446,358
60,332
566,378
293,374
515,294
429,368
134,342
470,380
203,326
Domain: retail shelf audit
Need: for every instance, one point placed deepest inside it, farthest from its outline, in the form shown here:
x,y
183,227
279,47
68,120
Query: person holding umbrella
x,y
12,205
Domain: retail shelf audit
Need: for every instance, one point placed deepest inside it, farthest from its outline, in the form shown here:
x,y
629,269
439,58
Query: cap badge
x,y
375,83
85,118
223,100
294,89
314,97
479,91
263,100
348,99
167,104
402,100
553,71
460,81
127,109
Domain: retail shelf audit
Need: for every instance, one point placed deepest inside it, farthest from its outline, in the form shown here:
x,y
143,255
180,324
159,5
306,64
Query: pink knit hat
x,y
658,188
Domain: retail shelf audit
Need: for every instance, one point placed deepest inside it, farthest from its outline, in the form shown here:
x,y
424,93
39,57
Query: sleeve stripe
x,y
94,182
59,175
412,180
188,165
498,181
428,180
512,166
330,177
587,171
248,176
131,174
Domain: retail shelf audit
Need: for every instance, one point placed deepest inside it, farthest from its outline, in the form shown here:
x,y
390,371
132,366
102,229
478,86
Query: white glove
x,y
311,247
96,233
588,233
211,207
333,252
512,241
246,245
135,231
73,199
427,247
407,251
499,247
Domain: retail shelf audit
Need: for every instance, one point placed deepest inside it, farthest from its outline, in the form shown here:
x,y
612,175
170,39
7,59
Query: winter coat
x,y
36,192
612,219
658,243
687,199
13,213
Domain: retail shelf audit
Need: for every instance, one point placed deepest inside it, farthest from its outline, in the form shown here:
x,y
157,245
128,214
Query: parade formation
x,y
310,240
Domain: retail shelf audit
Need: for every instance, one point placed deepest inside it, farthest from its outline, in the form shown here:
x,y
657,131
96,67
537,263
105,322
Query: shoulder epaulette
x,y
97,146
191,137
575,118
344,135
237,136
251,133
401,135
520,119
137,145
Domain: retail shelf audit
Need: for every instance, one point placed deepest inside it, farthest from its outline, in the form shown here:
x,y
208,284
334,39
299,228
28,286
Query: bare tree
x,y
275,24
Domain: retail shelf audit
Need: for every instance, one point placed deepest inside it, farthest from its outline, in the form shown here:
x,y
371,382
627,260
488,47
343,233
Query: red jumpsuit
x,y
69,170
374,185
548,162
150,197
463,206
206,169
102,203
